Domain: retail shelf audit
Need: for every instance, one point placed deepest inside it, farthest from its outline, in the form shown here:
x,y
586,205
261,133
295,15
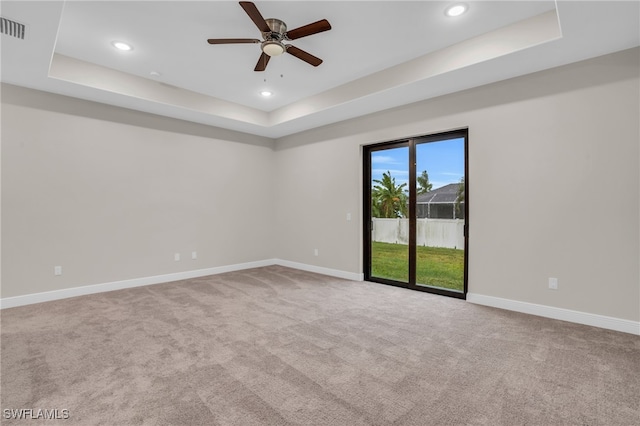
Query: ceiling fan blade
x,y
232,40
262,62
307,30
255,16
301,54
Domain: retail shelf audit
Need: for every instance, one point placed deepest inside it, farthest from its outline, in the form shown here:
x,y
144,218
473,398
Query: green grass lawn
x,y
438,267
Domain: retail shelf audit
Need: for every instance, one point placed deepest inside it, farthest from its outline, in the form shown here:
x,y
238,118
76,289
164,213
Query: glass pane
x,y
389,214
440,214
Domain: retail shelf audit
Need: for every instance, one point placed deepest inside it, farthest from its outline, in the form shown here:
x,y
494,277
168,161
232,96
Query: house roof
x,y
447,194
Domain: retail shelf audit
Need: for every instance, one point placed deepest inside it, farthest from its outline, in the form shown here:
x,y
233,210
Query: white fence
x,y
447,233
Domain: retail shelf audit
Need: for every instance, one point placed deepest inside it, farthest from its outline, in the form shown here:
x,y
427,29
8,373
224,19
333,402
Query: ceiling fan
x,y
274,33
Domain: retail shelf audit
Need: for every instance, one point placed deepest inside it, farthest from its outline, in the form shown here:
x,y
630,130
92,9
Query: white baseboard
x,y
601,321
610,323
29,299
320,270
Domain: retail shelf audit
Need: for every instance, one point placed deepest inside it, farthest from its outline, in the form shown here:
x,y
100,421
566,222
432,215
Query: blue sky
x,y
444,161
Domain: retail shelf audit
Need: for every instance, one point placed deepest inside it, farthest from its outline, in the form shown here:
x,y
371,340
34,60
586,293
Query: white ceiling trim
x,y
496,41
494,44
98,77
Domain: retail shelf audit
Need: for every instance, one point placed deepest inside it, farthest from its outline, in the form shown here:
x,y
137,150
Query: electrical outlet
x,y
315,252
348,217
553,283
176,257
194,255
57,270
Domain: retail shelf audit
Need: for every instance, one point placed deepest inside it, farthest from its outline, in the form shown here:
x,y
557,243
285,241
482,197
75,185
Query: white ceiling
x,y
377,55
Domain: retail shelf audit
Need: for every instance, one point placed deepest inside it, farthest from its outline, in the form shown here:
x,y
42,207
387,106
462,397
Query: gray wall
x,y
542,148
111,194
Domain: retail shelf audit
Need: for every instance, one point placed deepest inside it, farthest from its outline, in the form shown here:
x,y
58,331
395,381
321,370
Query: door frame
x,y
368,223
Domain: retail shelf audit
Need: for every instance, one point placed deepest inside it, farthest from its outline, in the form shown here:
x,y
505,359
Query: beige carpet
x,y
277,346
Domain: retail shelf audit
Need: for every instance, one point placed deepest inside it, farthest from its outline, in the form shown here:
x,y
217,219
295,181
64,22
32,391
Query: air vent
x,y
11,28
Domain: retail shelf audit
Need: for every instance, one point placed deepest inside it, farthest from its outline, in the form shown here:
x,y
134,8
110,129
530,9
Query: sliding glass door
x,y
415,213
389,204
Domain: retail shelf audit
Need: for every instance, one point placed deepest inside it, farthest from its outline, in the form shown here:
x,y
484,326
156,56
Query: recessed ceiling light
x,y
154,74
120,45
266,93
456,10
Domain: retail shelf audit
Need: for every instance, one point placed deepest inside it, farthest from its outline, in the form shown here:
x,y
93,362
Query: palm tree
x,y
388,199
423,183
460,195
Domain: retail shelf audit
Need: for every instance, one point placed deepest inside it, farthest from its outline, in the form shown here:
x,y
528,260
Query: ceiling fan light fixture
x,y
266,93
273,48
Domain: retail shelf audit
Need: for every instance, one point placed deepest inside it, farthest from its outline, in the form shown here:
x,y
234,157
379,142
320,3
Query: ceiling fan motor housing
x,y
278,29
